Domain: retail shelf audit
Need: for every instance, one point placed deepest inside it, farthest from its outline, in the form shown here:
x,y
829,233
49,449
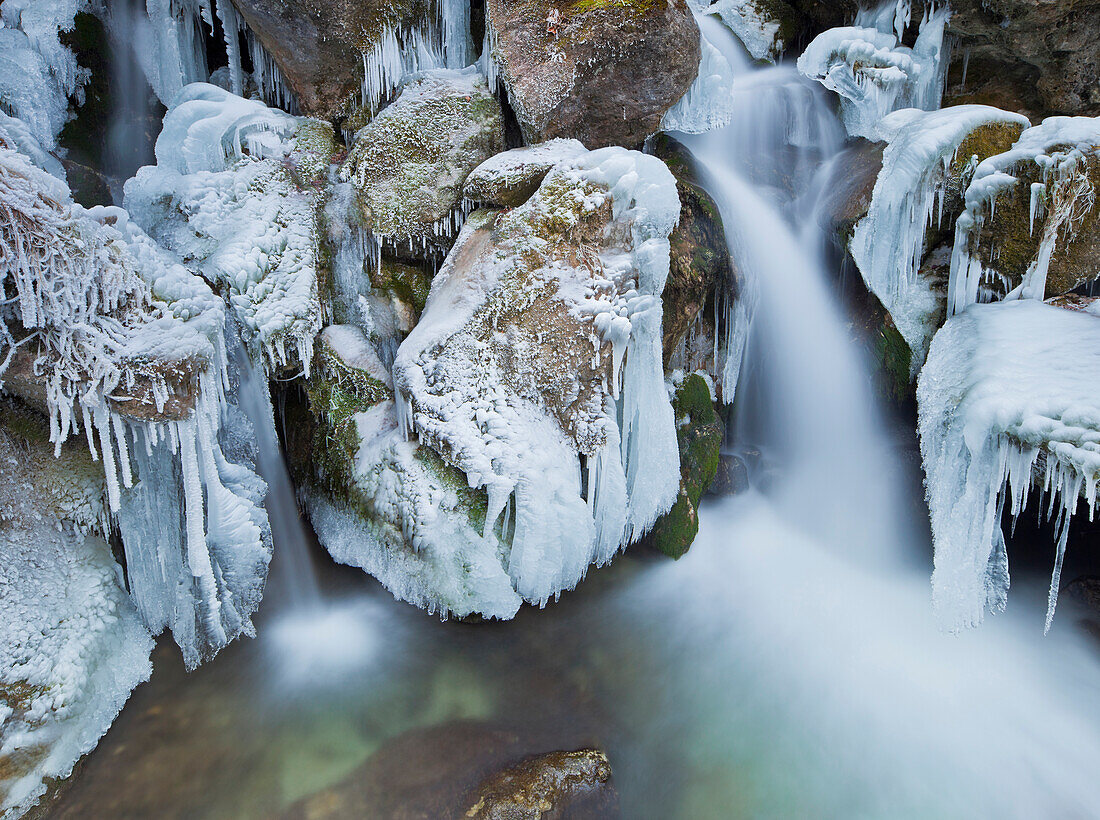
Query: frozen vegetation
x,y
1008,407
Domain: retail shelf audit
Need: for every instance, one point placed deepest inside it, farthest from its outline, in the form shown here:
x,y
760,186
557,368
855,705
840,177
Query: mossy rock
x,y
699,432
401,280
1009,243
409,163
699,260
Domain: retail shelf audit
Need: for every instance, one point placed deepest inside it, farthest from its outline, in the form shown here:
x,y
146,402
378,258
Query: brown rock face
x,y
550,786
318,45
1039,57
601,71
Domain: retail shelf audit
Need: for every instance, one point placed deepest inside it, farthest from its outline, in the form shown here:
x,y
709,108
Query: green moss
x,y
408,283
699,433
634,7
894,358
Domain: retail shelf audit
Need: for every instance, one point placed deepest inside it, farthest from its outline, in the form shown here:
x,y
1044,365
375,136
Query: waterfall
x,y
809,593
292,572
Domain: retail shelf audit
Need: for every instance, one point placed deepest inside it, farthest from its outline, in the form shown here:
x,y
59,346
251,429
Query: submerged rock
x,y
408,165
463,770
601,71
549,786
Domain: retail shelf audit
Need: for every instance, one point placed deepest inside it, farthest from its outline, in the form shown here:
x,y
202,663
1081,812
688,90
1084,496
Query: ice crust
x,y
565,484
1008,404
72,646
889,243
236,193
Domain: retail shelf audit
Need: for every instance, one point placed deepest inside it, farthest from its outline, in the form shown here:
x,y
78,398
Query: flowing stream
x,y
788,666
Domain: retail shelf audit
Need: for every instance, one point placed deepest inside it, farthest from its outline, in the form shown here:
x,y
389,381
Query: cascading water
x,y
826,638
292,572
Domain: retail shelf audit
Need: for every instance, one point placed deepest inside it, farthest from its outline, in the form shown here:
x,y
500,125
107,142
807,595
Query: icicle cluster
x,y
127,346
38,75
872,72
1062,150
1007,400
889,243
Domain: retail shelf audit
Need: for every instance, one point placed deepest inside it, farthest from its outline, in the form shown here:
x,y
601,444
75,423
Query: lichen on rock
x,y
408,165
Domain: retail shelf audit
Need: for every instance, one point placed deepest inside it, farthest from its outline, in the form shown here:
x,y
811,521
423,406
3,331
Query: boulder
x,y
1038,58
463,770
601,71
408,165
550,786
320,47
700,266
847,193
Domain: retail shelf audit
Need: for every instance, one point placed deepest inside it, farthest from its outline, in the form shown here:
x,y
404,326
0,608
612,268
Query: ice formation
x,y
237,194
113,339
71,645
38,74
1060,155
1007,400
576,451
873,73
709,103
750,21
510,178
921,160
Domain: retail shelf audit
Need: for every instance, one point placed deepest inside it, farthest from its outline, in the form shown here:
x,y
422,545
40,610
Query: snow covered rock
x,y
510,178
408,165
536,368
237,193
873,73
1008,400
602,72
71,644
928,159
1031,227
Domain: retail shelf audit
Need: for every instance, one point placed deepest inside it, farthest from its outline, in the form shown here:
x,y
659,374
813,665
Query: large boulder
x,y
320,47
530,434
408,165
601,71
